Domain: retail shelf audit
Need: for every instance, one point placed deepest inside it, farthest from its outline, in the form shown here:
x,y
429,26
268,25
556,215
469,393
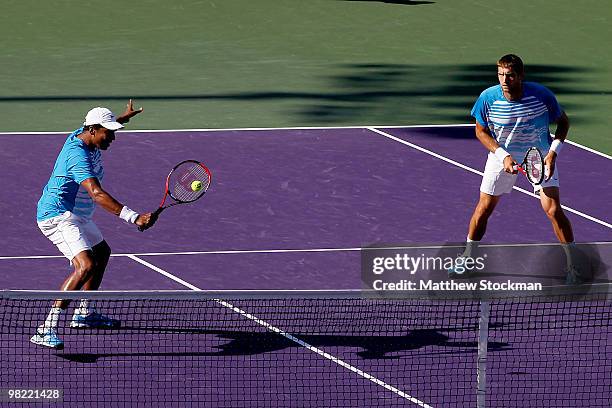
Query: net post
x,y
483,341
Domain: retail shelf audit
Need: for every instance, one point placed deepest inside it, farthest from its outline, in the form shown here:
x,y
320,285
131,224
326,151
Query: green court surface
x,y
264,63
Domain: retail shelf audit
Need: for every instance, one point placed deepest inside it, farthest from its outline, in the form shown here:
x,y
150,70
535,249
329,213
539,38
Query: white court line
x,y
588,149
463,166
364,127
3,258
283,251
289,337
236,251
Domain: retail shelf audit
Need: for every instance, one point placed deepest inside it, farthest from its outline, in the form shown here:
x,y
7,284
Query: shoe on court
x,y
47,337
94,321
573,276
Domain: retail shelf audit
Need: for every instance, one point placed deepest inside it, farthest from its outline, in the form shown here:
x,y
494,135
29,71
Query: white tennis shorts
x,y
496,181
71,234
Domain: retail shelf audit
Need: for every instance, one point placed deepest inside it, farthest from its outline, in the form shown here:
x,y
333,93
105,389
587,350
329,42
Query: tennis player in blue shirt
x,y
64,215
510,118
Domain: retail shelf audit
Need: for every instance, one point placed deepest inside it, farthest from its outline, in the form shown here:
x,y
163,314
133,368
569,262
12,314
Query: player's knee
x,y
554,212
484,210
85,269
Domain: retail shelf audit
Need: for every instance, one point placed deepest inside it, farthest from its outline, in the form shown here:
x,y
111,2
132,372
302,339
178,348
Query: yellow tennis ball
x,y
197,185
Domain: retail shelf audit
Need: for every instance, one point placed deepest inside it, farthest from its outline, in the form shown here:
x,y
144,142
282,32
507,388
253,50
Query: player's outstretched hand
x,y
146,221
129,112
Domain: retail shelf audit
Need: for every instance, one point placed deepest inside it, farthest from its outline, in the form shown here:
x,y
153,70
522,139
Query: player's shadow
x,y
248,343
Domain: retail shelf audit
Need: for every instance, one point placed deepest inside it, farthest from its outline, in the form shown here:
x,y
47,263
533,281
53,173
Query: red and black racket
x,y
532,166
186,182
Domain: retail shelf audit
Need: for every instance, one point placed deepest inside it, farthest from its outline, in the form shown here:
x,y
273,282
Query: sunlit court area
x,y
334,203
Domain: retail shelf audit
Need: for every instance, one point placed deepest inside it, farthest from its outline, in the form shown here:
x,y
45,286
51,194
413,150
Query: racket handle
x,y
154,214
519,168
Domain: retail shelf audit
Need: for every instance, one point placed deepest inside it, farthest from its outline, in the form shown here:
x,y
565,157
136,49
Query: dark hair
x,y
512,61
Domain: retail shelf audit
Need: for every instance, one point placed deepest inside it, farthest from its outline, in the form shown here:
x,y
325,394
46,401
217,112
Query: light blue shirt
x,y
75,163
518,125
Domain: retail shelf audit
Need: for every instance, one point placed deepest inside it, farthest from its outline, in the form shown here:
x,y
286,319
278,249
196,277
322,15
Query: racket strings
x,y
180,185
534,166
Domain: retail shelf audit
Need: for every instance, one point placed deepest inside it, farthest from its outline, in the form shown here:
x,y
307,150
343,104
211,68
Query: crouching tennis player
x,y
64,216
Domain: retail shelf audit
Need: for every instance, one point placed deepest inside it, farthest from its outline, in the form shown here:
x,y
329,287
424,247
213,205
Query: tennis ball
x,y
197,185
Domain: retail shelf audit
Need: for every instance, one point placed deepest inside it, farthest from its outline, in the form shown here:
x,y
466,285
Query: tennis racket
x,y
186,182
532,166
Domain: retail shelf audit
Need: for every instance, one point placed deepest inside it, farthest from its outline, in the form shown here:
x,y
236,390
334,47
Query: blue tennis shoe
x,y
94,321
460,269
47,337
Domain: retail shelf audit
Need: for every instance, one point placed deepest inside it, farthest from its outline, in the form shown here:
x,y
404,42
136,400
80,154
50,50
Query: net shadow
x,y
245,344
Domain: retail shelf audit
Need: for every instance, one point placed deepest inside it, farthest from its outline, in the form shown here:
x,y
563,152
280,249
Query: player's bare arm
x,y
563,126
110,204
483,134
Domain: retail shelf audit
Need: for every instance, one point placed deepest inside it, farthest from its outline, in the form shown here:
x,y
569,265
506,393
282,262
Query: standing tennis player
x,y
64,215
510,118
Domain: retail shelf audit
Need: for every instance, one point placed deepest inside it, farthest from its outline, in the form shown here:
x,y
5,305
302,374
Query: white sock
x,y
470,245
52,318
568,248
85,307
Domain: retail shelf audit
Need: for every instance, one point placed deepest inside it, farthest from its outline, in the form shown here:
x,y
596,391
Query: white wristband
x,y
501,154
128,215
556,146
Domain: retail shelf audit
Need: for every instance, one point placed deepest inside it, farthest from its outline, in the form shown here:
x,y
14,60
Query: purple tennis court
x,y
290,209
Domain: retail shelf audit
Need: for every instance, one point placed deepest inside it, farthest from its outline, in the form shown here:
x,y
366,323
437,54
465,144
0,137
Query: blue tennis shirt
x,y
75,163
518,125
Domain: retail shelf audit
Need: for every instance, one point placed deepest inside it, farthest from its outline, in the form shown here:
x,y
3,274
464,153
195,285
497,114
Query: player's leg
x,y
482,212
476,230
84,268
495,183
577,269
551,204
75,237
66,233
101,255
478,223
46,334
86,315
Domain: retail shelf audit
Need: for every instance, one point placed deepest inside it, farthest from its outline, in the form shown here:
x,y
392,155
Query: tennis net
x,y
311,349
